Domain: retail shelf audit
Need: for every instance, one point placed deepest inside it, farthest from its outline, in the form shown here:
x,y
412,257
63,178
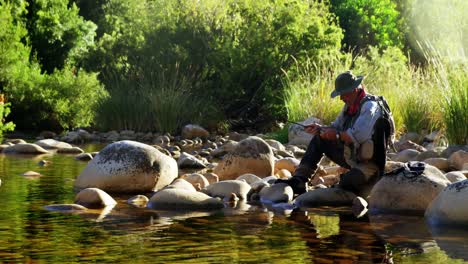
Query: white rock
x,y
94,198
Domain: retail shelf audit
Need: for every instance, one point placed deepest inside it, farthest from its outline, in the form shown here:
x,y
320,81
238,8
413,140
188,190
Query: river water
x,y
244,233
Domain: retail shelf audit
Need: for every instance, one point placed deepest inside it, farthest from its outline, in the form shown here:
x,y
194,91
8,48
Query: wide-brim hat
x,y
345,83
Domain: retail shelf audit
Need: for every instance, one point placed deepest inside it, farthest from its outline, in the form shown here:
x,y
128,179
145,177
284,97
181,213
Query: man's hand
x,y
313,129
328,133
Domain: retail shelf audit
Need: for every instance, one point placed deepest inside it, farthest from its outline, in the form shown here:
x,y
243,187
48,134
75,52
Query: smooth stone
x,y
52,144
72,150
276,193
31,174
25,148
455,176
324,197
449,206
94,198
226,188
84,157
249,178
197,178
180,199
138,200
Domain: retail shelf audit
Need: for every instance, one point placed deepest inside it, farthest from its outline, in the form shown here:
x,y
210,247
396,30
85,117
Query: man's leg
x,y
314,153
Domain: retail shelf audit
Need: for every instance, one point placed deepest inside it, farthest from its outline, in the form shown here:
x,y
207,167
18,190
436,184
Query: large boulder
x,y
25,148
251,155
406,190
180,199
325,197
450,207
128,167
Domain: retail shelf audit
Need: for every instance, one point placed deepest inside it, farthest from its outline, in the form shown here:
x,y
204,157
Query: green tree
x,y
368,23
58,35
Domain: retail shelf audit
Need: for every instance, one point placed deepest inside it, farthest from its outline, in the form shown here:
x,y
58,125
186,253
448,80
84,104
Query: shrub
x,y
4,112
368,23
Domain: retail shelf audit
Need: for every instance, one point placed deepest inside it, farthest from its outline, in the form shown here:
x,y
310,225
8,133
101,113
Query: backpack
x,y
384,131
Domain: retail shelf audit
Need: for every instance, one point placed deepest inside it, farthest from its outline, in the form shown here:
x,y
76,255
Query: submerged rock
x,y
65,207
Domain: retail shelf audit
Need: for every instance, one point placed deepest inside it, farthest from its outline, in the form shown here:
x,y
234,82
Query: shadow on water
x,y
241,232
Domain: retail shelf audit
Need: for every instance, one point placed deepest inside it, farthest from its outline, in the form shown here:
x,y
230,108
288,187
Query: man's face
x,y
348,98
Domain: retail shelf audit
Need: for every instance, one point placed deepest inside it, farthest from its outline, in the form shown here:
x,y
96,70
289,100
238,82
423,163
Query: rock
x,y
14,141
65,207
112,136
84,157
283,174
275,144
225,188
325,197
440,163
72,137
138,200
194,131
128,167
393,165
406,155
452,149
94,198
400,146
197,178
449,206
188,161
44,163
25,148
411,136
407,192
237,136
4,146
47,134
249,178
181,184
31,174
52,144
455,176
72,150
458,159
251,155
289,164
211,177
180,199
427,155
297,135
277,193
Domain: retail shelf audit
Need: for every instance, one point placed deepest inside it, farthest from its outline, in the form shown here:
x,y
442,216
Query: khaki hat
x,y
345,83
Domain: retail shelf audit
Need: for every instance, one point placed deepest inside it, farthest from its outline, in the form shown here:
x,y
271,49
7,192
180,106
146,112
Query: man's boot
x,y
298,182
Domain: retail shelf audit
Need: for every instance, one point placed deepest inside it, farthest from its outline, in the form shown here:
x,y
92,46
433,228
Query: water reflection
x,y
240,232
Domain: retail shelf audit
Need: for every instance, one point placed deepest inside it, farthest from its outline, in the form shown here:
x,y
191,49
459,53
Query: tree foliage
x,y
369,23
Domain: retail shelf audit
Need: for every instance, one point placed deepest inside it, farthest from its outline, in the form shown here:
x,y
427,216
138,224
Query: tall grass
x,y
155,101
455,106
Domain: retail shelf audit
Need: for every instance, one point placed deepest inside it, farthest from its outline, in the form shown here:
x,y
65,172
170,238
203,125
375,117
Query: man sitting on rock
x,y
357,140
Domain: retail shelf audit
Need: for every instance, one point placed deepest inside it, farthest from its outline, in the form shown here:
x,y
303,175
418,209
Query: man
x,y
349,141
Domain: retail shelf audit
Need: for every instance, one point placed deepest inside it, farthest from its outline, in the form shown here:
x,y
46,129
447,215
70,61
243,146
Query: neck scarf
x,y
352,109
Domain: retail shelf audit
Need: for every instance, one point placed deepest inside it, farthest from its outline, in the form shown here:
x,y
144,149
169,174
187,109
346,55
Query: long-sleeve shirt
x,y
362,128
